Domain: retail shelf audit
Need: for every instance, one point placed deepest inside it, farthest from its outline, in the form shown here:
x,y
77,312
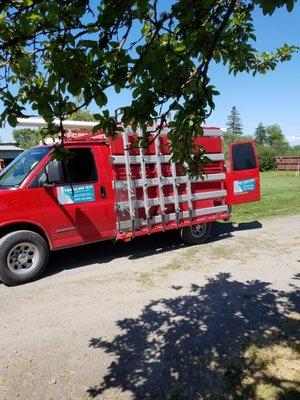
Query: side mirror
x,y
54,172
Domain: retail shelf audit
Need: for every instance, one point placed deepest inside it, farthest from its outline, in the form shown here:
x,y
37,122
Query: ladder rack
x,y
151,189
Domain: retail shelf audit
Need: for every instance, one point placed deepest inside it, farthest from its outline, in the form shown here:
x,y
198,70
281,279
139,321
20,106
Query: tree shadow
x,y
104,252
193,346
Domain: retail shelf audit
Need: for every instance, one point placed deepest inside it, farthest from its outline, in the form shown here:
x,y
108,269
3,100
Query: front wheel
x,y
196,234
23,257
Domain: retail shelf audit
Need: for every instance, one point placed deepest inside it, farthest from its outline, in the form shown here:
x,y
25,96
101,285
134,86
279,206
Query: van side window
x,y
243,157
80,166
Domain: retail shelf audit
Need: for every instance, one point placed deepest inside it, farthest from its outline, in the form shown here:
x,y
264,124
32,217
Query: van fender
x,y
25,224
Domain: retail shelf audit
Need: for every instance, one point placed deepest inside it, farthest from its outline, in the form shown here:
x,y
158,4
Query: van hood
x,y
4,190
19,205
7,198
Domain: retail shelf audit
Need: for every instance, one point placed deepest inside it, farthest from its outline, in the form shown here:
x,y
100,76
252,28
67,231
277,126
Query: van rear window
x,y
243,157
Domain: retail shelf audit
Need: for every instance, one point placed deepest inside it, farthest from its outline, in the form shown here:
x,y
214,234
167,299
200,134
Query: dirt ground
x,y
155,319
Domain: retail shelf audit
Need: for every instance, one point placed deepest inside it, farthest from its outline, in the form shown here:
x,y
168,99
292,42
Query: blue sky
x,y
271,98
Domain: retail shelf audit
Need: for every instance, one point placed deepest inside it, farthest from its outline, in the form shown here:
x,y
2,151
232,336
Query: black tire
x,y
189,235
23,257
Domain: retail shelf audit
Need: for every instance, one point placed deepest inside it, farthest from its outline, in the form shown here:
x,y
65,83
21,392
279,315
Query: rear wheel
x,y
196,234
23,257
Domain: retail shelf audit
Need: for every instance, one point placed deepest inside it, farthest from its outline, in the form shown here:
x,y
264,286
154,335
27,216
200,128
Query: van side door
x,y
80,209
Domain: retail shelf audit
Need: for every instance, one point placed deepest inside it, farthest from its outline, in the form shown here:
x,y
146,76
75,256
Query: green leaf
x,y
180,48
101,99
118,88
87,43
290,5
12,120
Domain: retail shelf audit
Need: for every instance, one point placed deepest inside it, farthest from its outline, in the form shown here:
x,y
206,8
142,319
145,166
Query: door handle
x,y
103,192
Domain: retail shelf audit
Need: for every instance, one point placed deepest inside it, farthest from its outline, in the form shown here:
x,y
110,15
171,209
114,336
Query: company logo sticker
x,y
244,186
82,194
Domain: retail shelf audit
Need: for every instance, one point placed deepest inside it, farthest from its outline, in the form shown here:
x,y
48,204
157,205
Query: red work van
x,y
108,189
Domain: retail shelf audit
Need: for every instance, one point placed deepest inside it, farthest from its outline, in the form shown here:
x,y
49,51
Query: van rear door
x,y
242,180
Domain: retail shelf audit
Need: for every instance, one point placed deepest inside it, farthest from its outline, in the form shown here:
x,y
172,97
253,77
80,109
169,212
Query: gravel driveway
x,y
148,319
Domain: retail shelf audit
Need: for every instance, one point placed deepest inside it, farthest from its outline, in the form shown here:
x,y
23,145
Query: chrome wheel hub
x,y
199,230
23,258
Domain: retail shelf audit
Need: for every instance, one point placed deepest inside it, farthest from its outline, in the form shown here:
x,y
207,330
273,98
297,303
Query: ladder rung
x,y
171,199
152,159
169,181
126,225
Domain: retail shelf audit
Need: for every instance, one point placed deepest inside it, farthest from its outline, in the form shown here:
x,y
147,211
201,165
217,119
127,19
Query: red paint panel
x,y
211,144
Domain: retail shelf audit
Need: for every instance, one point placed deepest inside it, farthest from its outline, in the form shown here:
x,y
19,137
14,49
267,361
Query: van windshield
x,y
17,171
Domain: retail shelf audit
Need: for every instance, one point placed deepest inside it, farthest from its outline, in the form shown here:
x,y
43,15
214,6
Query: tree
x,y
82,115
234,122
27,137
276,140
295,151
267,158
260,135
53,50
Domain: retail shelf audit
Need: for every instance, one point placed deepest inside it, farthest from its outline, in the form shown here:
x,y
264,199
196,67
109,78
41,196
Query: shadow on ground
x,y
104,252
219,341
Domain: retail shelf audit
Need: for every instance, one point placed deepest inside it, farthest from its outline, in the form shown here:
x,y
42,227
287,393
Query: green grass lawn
x,y
280,195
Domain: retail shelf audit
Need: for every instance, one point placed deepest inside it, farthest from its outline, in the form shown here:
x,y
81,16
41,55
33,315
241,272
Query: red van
x,y
108,189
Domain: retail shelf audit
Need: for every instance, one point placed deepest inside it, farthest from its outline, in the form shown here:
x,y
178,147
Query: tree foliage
x,y
271,144
234,122
295,150
52,51
277,140
82,115
26,137
260,135
267,158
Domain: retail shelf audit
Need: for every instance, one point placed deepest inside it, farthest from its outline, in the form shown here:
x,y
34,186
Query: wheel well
x,y
23,226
